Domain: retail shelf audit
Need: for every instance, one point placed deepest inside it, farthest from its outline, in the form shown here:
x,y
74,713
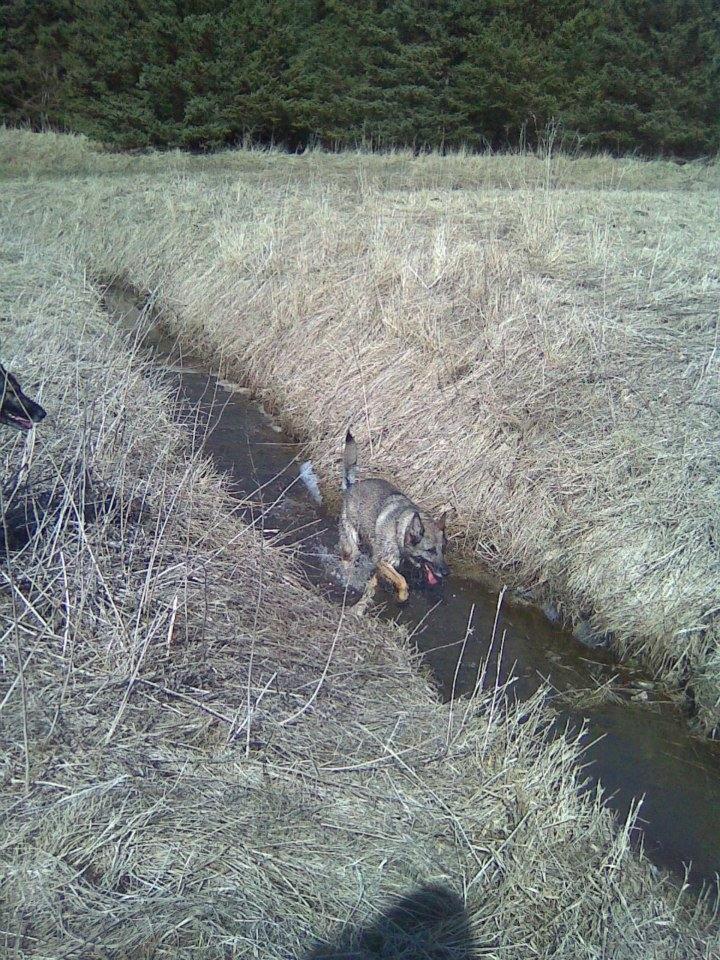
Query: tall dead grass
x,y
201,757
544,356
24,154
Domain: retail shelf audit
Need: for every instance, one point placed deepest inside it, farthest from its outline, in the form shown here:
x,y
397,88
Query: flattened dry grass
x,y
543,356
203,758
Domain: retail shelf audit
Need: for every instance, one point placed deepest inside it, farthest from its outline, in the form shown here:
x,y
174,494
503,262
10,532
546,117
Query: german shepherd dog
x,y
377,515
17,410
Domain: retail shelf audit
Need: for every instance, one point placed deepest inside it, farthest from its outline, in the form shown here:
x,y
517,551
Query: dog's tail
x,y
349,461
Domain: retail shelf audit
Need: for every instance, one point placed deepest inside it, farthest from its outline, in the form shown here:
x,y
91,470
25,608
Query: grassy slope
x,y
533,340
184,776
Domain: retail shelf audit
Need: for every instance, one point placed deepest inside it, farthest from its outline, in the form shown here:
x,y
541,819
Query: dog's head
x,y
424,543
17,410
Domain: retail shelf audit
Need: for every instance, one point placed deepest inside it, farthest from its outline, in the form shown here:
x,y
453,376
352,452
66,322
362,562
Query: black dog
x,y
17,410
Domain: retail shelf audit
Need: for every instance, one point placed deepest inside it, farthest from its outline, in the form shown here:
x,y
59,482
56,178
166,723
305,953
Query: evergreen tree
x,y
328,82
625,74
643,75
105,58
260,41
501,85
33,44
411,76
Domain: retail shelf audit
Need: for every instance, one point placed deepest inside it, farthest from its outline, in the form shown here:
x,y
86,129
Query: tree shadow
x,y
429,924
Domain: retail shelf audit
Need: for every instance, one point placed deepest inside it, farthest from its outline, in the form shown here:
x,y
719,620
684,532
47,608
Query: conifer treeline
x,y
626,75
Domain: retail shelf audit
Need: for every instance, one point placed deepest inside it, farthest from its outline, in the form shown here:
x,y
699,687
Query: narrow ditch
x,y
638,746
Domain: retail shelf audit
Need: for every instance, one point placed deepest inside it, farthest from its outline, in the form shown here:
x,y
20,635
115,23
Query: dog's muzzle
x,y
22,416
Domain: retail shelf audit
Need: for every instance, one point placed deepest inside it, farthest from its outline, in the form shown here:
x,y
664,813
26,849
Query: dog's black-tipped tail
x,y
349,461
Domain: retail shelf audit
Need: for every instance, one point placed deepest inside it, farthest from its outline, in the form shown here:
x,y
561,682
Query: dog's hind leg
x,y
368,595
396,579
349,545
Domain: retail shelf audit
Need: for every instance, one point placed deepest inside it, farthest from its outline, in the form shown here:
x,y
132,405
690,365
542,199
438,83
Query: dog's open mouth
x,y
432,578
16,420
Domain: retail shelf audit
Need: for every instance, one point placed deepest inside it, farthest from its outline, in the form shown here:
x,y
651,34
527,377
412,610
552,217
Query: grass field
x,y
533,339
184,774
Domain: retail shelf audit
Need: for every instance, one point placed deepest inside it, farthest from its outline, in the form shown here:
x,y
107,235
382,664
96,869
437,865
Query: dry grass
x,y
186,775
24,155
543,355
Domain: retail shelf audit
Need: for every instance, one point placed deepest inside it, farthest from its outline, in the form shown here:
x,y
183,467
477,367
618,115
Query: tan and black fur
x,y
16,409
377,515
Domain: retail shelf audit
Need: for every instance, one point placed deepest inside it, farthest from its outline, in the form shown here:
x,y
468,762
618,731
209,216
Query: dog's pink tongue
x,y
431,578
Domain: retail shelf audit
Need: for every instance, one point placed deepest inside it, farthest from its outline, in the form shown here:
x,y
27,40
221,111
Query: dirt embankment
x,y
186,774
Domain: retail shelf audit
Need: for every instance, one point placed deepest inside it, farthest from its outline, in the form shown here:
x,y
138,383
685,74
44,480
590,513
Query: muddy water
x,y
638,745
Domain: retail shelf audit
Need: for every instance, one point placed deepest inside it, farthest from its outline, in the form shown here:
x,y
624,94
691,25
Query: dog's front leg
x,y
396,579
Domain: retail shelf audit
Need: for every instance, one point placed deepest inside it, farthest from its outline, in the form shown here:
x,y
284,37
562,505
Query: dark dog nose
x,y
33,411
442,569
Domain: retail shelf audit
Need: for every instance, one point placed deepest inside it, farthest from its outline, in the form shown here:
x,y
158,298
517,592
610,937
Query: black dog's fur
x,y
16,409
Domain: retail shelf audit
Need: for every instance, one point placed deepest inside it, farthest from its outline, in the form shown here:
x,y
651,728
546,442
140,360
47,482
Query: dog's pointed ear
x,y
415,531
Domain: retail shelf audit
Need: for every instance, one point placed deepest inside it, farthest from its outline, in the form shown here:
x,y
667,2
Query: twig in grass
x,y
306,706
468,632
